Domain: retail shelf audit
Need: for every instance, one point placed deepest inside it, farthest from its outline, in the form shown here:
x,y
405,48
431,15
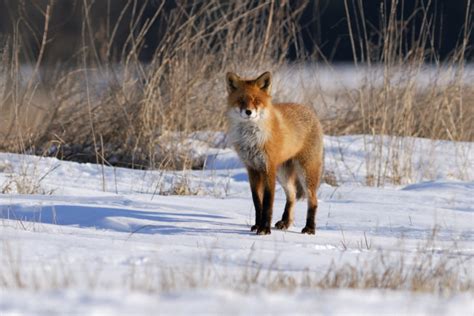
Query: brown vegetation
x,y
120,112
441,272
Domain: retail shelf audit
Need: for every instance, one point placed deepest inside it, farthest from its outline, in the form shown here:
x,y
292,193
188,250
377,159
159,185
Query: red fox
x,y
283,141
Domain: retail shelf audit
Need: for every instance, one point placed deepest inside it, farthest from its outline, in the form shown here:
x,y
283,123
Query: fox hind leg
x,y
310,227
312,175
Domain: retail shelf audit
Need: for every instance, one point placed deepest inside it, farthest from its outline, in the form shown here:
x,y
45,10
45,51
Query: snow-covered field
x,y
95,240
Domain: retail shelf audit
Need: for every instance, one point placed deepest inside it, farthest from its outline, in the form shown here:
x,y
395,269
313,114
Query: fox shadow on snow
x,y
122,219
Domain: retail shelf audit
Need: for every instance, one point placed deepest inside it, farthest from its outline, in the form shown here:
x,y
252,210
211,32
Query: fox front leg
x,y
256,186
267,205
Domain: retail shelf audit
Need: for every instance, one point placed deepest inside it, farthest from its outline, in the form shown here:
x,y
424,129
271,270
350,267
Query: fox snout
x,y
248,113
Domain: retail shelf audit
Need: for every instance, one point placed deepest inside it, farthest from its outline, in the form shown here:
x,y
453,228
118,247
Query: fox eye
x,y
241,102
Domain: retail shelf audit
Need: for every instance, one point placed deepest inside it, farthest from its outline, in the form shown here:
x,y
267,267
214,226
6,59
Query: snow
x,y
224,302
105,241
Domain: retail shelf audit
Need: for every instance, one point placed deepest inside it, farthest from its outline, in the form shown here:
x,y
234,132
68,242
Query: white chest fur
x,y
248,138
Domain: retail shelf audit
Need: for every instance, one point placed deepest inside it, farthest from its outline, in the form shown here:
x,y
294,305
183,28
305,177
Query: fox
x,y
275,141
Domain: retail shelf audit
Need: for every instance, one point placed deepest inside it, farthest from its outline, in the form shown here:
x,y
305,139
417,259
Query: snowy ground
x,y
95,240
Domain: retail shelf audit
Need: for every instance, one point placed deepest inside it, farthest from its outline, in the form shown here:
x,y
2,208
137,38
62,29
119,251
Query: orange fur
x,y
283,141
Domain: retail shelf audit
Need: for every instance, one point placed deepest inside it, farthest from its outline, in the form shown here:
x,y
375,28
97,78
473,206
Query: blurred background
x,y
322,26
129,82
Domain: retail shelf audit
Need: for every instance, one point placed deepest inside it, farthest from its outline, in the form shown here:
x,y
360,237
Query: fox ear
x,y
232,82
264,82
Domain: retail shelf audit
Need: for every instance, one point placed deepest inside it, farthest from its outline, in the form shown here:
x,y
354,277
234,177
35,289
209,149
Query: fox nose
x,y
248,112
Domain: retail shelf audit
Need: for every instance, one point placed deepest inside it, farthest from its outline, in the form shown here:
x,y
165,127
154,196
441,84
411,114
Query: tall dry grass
x,y
405,90
401,105
113,109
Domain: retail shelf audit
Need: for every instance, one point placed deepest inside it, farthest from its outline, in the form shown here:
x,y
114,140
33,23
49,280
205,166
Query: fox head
x,y
249,99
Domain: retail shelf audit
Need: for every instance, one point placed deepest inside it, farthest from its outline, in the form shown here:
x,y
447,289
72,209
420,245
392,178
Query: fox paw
x,y
263,231
283,225
254,228
308,230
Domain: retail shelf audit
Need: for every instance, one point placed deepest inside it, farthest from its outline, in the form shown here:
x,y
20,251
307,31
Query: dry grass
x,y
112,109
117,112
438,111
423,274
441,272
27,180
